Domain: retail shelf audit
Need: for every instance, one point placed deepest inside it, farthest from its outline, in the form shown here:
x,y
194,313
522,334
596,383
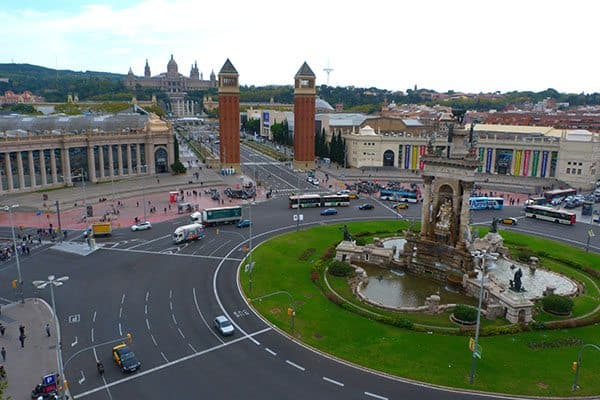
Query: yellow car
x,y
508,221
400,206
353,195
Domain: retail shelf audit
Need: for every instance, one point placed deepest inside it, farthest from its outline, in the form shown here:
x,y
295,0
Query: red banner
x,y
421,152
526,158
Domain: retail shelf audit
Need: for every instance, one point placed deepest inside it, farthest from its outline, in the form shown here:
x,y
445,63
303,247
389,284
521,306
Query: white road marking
x,y
147,294
375,396
268,350
170,294
116,244
147,323
139,374
146,309
203,319
120,312
120,330
174,255
82,378
171,305
163,356
333,381
92,336
153,340
301,368
94,317
192,347
123,298
181,333
149,241
219,248
103,378
74,343
174,320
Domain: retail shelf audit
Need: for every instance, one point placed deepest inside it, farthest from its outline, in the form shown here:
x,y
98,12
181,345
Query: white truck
x,y
188,233
218,215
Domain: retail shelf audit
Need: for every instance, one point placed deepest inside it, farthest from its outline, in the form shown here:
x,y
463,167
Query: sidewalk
x,y
26,366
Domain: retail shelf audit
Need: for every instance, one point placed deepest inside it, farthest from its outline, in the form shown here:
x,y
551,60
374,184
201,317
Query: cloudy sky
x,y
475,46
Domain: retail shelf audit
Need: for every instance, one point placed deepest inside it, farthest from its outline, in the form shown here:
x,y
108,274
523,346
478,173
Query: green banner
x,y
534,165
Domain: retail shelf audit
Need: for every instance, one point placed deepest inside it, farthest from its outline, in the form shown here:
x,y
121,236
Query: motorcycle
x,y
100,367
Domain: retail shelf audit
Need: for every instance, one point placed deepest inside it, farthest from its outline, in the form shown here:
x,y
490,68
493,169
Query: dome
x,y
172,66
322,106
367,131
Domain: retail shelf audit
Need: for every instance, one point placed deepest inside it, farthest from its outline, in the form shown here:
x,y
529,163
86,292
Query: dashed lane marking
x,y
333,381
192,347
174,320
375,396
268,350
293,364
164,357
174,254
153,340
181,333
147,324
120,330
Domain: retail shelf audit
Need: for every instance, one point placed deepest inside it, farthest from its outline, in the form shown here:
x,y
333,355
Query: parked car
x,y
400,206
141,226
223,325
509,221
366,206
315,181
329,211
245,223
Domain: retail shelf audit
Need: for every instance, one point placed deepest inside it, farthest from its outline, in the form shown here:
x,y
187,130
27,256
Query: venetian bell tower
x,y
229,116
440,250
304,118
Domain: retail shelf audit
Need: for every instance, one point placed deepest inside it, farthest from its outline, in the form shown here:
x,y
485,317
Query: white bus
x,y
550,214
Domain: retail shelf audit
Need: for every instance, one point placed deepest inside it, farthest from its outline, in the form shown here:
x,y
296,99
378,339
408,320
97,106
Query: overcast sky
x,y
473,46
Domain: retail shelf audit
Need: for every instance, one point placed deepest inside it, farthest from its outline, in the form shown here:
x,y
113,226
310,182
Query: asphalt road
x,y
167,296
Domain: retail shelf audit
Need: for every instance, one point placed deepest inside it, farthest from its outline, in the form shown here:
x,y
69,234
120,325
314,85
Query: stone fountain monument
x,y
440,250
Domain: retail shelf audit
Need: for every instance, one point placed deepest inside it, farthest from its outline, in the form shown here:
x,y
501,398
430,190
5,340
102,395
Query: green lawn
x,y
509,364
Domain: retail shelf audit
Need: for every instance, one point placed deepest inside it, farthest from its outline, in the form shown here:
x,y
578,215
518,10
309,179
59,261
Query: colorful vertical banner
x,y
415,157
407,157
518,157
488,163
421,152
544,163
553,163
481,155
400,156
535,162
526,158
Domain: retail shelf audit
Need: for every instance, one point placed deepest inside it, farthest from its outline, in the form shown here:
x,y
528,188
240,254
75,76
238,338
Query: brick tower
x,y
229,116
304,118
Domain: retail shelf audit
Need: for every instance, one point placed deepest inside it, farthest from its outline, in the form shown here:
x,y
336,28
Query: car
x,y
343,192
353,195
309,179
244,223
400,206
223,325
142,226
571,204
315,181
366,206
125,358
509,221
329,211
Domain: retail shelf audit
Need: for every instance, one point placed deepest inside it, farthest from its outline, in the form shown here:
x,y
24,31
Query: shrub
x,y
361,241
178,168
556,304
537,325
339,268
306,254
465,313
328,253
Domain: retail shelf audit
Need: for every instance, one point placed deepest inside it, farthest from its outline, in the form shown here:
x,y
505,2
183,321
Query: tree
x,y
176,148
178,168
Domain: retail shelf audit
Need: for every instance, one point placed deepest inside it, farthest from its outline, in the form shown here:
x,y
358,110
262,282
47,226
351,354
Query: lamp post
x,y
145,167
53,281
481,256
577,364
12,228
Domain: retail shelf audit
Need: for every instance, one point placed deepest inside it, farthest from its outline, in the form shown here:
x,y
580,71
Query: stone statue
x,y
444,215
516,284
347,235
494,225
430,141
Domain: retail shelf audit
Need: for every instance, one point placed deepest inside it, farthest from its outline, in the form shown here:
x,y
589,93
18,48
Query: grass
x,y
509,364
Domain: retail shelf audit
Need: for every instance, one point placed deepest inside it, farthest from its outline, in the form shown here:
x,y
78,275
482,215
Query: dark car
x,y
571,204
329,211
125,358
366,206
244,223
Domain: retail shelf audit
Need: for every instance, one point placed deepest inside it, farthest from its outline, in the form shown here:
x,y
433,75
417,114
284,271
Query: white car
x,y
142,226
315,181
223,325
309,179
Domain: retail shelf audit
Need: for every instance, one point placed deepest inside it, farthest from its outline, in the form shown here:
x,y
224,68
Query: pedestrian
x,y
2,329
3,353
137,203
48,330
22,329
22,340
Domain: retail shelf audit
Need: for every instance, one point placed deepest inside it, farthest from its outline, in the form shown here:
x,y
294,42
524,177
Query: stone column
x,y
101,161
20,172
464,210
91,161
66,166
43,168
170,150
111,162
53,167
149,146
120,159
8,169
425,222
138,159
493,166
32,180
129,163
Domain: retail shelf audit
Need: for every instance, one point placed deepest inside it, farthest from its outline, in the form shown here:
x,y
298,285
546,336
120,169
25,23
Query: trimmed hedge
x,y
340,268
465,313
556,304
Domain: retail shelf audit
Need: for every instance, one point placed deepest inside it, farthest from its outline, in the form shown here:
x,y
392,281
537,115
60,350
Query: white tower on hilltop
x,y
328,70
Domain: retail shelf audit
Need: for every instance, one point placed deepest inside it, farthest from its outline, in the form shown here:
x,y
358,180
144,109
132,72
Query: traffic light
x,y
14,283
129,338
574,366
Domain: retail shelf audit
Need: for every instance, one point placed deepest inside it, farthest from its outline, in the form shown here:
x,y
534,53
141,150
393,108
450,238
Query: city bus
x,y
335,200
550,214
558,195
486,203
402,195
305,201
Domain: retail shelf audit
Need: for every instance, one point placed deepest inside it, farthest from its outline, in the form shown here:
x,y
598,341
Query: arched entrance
x,y
161,163
388,158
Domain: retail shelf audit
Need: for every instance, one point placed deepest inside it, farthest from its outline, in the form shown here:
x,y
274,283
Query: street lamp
x,y
53,281
12,227
481,258
145,166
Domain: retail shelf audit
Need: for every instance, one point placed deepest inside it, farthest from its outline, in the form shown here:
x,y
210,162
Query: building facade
x,y
50,151
304,117
229,116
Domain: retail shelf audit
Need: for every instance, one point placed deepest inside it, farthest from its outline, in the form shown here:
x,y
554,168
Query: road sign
x,y
295,217
301,217
49,379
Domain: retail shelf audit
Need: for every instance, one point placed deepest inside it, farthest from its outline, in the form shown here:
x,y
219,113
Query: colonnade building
x,y
52,151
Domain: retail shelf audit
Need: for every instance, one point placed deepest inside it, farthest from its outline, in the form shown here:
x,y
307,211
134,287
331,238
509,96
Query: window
x,y
580,164
569,163
579,171
569,170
